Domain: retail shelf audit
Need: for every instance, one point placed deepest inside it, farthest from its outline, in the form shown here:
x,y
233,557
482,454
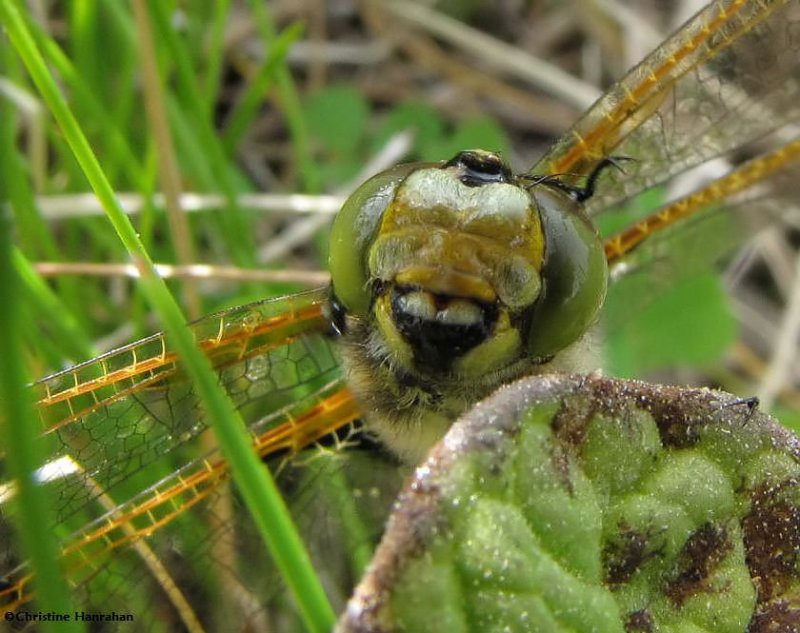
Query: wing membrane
x,y
678,245
761,189
129,421
726,79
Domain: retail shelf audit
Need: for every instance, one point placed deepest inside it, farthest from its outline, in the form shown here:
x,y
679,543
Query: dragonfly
x,y
143,500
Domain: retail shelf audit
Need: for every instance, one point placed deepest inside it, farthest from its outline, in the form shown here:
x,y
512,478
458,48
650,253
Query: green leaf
x,y
421,118
789,417
694,313
641,205
586,504
477,132
337,117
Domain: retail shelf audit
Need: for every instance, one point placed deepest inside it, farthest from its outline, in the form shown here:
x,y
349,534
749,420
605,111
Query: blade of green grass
x,y
83,24
215,54
247,107
19,428
301,142
169,171
34,236
66,328
235,221
201,151
257,487
94,109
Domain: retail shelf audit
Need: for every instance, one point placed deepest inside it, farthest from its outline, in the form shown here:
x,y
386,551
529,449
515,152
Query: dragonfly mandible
x,y
135,484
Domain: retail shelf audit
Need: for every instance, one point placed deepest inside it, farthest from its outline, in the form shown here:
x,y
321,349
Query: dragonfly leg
x,y
580,194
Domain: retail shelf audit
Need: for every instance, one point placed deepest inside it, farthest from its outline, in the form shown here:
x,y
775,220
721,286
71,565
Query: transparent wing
x,y
757,192
129,452
666,259
724,80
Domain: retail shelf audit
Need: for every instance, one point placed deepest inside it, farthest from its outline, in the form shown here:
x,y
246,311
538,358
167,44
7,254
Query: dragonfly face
x,y
462,278
448,279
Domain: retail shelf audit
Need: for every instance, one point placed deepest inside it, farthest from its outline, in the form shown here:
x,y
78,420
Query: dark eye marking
x,y
476,168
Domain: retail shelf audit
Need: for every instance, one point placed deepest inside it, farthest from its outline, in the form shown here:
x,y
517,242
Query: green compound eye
x,y
353,232
573,271
574,275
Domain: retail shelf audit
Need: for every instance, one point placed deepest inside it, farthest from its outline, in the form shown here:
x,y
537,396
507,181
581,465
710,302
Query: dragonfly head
x,y
463,267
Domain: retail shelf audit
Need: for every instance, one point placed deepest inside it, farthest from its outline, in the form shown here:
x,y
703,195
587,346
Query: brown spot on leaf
x,y
678,422
560,462
625,553
570,423
777,617
772,539
639,622
674,427
702,553
569,428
